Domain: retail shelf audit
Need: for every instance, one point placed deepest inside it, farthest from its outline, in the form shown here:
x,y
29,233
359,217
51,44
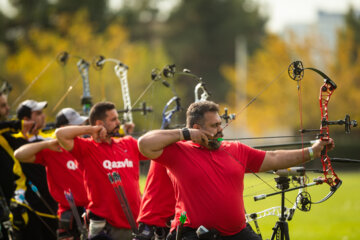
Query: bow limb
x,y
332,191
167,115
121,72
204,95
86,99
83,68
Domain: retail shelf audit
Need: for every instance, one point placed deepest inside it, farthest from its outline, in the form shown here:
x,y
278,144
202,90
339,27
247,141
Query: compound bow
x,y
296,72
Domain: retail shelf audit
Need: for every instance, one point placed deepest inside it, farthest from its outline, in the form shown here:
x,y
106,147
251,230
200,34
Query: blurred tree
x,y
200,35
352,32
31,13
346,68
141,18
45,14
81,40
277,106
42,13
97,9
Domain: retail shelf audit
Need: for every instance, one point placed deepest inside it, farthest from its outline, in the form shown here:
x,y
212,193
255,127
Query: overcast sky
x,y
280,12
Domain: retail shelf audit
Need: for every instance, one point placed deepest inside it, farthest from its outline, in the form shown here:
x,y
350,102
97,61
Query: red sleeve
x,y
78,149
167,151
39,157
254,158
134,146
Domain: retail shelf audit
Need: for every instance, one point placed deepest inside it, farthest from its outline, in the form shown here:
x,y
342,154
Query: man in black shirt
x,y
16,177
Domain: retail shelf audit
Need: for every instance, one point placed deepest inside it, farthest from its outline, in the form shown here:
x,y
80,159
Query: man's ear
x,y
99,123
26,118
196,126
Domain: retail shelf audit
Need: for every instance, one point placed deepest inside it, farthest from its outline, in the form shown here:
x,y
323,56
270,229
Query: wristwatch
x,y
186,133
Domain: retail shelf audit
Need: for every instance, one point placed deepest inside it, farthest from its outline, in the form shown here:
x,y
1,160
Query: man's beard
x,y
114,132
214,143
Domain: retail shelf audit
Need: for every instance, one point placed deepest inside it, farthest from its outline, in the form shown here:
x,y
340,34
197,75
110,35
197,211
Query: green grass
x,y
338,218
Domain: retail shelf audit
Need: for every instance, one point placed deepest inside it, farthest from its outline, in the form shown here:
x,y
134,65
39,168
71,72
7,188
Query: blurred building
x,y
325,28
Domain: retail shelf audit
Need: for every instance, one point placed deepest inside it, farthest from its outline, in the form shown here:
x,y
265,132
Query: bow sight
x,y
227,116
346,121
143,109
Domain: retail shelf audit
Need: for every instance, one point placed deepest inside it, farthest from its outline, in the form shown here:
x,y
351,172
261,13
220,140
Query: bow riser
x,y
83,67
326,92
121,73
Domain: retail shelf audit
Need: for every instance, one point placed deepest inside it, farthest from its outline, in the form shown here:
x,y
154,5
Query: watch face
x,y
186,134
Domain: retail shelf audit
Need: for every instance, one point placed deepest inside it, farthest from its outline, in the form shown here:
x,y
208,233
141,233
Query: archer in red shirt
x,y
62,172
208,174
157,207
98,156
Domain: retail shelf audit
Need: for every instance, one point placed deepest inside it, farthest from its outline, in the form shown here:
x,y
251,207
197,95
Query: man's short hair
x,y
26,107
98,111
195,112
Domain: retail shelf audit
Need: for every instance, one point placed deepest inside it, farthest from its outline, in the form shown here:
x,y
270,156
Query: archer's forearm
x,y
288,158
27,153
152,143
281,159
66,135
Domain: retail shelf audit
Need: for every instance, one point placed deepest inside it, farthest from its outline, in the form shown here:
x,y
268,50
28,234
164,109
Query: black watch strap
x,y
186,133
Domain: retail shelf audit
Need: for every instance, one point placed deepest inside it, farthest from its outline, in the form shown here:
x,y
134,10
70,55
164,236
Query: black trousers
x,y
68,225
36,230
190,234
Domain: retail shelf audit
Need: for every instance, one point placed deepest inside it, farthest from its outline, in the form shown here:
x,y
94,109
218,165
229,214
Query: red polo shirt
x,y
99,159
62,174
209,183
158,203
